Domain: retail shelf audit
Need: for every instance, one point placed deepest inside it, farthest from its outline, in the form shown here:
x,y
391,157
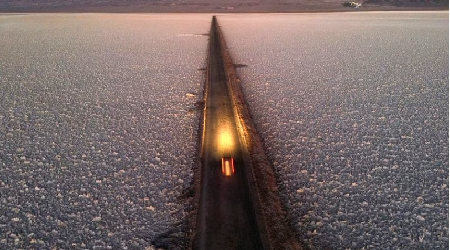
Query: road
x,y
226,216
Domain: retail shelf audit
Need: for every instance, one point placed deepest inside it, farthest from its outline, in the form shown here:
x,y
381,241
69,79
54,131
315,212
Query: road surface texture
x,y
230,210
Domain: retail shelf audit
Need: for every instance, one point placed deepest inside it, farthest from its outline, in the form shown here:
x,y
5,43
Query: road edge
x,y
197,170
271,218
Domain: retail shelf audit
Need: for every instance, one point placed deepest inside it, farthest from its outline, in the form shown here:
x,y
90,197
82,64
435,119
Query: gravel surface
x,y
353,111
98,128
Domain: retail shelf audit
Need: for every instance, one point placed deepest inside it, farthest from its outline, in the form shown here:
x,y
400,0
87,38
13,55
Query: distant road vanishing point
x,y
230,214
226,219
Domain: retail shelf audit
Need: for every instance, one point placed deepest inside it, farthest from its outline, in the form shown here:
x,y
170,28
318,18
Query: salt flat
x,y
98,128
353,111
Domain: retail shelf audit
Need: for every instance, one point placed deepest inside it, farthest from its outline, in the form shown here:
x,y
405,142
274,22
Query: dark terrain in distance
x,y
149,6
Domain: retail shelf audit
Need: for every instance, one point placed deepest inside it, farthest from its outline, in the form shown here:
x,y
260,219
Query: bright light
x,y
225,142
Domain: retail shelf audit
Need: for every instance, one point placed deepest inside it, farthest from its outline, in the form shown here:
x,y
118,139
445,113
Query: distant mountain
x,y
204,5
409,3
75,4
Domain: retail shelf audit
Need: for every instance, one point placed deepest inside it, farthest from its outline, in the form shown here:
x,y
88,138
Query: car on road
x,y
227,166
351,4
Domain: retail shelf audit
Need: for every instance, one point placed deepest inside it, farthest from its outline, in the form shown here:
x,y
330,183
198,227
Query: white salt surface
x,y
353,111
97,128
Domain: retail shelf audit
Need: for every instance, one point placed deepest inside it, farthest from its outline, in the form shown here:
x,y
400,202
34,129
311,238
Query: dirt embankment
x,y
271,217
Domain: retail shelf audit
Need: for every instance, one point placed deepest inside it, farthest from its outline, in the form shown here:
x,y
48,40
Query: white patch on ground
x,y
96,144
354,115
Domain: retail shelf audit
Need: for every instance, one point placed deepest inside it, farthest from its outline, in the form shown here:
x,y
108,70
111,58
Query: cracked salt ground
x,y
95,144
354,116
